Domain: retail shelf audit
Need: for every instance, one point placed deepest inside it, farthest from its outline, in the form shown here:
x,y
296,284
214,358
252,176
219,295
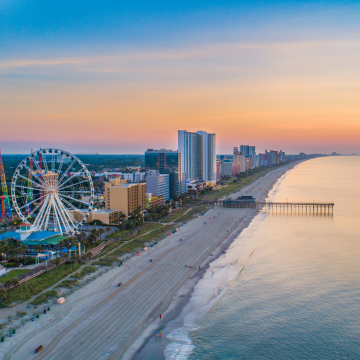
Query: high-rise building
x,y
198,155
158,184
276,154
249,151
167,162
264,159
248,163
218,170
124,197
274,157
239,159
281,156
226,167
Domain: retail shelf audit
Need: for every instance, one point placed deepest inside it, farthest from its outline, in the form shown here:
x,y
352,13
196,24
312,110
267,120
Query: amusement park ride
x,y
47,191
5,201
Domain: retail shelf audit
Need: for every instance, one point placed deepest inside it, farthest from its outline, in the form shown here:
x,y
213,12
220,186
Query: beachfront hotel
x,y
198,151
124,197
167,162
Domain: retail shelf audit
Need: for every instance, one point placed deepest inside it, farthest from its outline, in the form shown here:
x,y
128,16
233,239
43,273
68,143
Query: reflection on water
x,y
297,213
294,289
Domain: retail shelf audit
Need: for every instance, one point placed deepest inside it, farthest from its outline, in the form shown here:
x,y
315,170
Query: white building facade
x,y
199,155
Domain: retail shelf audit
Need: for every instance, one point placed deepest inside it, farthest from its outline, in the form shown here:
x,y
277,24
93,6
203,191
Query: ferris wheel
x,y
52,190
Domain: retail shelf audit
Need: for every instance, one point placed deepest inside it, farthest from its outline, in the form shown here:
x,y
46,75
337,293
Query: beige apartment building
x,y
124,197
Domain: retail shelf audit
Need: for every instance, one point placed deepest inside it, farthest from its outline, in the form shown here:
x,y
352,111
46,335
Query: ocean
x,y
289,285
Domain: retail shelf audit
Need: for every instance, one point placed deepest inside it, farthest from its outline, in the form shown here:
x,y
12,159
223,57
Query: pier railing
x,y
318,207
313,207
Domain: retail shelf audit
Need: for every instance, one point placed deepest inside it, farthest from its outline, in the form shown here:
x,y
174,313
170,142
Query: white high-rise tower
x,y
198,155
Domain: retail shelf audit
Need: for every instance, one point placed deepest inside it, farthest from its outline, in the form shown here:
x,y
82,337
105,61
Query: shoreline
x,y
148,342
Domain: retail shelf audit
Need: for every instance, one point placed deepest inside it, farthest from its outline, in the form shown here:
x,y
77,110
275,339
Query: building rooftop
x,y
103,211
10,234
161,150
50,241
41,235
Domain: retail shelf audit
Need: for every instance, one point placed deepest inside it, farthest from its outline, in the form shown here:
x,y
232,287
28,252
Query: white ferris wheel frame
x,y
54,199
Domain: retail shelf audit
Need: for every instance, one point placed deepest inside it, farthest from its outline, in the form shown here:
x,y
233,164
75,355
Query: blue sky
x,y
40,28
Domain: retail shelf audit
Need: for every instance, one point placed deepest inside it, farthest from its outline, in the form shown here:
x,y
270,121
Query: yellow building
x,y
104,215
124,197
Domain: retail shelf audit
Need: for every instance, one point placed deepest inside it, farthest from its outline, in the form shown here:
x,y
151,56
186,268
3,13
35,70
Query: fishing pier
x,y
251,203
308,207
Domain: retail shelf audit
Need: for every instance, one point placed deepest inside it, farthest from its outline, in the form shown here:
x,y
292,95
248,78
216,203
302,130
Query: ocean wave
x,y
206,293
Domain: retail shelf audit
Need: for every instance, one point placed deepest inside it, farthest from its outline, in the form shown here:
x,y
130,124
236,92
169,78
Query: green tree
x,y
15,281
2,295
8,283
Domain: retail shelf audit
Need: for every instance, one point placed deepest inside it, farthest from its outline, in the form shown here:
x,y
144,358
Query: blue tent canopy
x,y
64,250
74,248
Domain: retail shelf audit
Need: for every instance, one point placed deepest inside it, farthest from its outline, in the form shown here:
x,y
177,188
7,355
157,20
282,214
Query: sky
x,y
118,77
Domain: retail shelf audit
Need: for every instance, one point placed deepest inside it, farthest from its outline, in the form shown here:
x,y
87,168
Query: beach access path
x,y
102,320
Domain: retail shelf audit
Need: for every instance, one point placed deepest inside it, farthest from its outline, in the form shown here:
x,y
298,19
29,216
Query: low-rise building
x,y
106,216
195,186
133,177
153,200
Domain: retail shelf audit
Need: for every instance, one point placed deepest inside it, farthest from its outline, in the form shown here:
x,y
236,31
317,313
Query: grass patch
x,y
119,234
44,298
12,274
127,248
34,286
175,215
196,210
83,272
21,313
155,234
145,228
68,283
139,241
106,261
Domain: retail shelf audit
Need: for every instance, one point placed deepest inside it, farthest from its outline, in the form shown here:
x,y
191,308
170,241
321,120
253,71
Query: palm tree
x,y
101,231
38,248
61,243
15,281
57,261
20,250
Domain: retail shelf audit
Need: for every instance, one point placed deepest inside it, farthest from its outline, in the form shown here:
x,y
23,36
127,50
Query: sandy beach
x,y
104,321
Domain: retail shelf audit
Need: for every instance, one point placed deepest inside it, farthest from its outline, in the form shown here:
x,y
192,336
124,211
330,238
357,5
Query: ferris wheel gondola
x,y
53,190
